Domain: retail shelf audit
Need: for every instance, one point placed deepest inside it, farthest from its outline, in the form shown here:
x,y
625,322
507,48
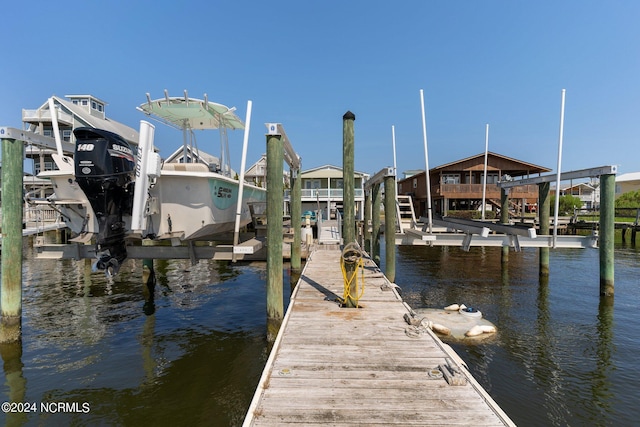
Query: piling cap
x,y
349,116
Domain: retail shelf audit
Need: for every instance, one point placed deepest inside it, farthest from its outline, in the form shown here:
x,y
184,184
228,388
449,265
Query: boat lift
x,y
513,235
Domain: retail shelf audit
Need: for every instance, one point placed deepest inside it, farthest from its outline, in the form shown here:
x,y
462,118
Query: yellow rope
x,y
349,280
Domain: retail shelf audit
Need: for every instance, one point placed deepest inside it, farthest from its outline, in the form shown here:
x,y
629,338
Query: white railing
x,y
38,115
324,193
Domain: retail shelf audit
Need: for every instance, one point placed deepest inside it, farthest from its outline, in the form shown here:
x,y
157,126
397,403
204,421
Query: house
x,y
459,185
627,182
257,173
71,112
588,193
322,190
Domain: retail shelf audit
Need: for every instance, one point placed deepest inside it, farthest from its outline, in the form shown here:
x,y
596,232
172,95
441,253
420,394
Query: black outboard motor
x,y
105,170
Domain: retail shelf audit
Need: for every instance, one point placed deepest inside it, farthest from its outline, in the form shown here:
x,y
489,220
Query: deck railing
x,y
323,193
475,190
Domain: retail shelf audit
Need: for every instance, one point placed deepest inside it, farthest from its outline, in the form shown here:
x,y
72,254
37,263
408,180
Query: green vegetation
x,y
566,206
474,214
626,206
630,199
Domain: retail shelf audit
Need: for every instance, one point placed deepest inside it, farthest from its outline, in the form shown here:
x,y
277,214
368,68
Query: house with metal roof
x,y
627,182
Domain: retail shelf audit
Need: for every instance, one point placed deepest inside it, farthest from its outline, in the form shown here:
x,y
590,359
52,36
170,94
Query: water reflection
x,y
14,379
184,349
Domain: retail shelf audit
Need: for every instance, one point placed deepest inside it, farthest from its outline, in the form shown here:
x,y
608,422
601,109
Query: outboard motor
x,y
105,171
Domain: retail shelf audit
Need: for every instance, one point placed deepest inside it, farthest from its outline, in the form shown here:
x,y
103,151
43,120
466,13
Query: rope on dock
x,y
352,259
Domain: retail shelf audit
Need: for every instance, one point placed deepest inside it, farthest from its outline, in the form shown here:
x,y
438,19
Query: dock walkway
x,y
362,366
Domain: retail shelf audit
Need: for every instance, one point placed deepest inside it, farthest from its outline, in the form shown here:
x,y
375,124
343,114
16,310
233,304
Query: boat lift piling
x,y
390,225
375,222
607,233
544,209
607,215
504,219
278,149
11,265
387,177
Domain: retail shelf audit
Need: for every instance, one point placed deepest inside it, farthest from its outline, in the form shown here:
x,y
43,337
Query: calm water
x,y
561,357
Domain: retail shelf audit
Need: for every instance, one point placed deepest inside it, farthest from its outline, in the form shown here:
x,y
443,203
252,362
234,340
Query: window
x,y
66,135
451,178
85,102
415,182
93,105
492,178
312,184
100,107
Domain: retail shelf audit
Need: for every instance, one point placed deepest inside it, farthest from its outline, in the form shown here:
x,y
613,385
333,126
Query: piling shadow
x,y
328,295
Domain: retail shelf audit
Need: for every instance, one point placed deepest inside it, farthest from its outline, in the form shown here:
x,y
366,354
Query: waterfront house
x,y
627,182
588,193
257,173
459,185
71,112
322,190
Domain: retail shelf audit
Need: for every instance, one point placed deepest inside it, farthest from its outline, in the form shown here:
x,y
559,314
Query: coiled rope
x,y
352,257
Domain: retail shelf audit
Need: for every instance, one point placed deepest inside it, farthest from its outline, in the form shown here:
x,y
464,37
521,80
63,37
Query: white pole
x,y
393,139
56,129
557,201
484,182
141,186
426,162
243,163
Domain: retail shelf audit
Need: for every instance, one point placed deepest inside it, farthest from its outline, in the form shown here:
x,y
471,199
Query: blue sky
x,y
304,64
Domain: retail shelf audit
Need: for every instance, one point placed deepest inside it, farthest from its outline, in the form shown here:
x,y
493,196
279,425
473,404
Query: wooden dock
x,y
362,366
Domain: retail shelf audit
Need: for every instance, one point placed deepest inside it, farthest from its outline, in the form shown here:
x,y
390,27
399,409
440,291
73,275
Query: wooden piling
x,y
296,218
390,227
275,200
544,212
367,221
375,223
348,181
504,218
607,233
11,265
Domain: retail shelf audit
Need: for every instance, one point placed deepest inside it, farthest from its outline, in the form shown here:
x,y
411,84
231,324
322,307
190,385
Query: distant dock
x,y
362,366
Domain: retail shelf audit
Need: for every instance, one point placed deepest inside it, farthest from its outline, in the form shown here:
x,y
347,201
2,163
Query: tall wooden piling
x,y
367,221
11,265
504,218
607,233
296,218
275,200
348,181
544,208
375,223
390,227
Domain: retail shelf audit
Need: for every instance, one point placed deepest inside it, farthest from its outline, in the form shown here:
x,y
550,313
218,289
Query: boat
x,y
111,192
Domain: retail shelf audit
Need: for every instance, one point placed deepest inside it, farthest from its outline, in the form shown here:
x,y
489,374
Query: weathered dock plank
x,y
361,366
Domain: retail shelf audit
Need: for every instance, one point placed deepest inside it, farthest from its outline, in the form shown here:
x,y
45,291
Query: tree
x,y
630,199
567,204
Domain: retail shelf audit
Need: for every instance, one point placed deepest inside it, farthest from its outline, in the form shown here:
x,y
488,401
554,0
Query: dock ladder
x,y
405,215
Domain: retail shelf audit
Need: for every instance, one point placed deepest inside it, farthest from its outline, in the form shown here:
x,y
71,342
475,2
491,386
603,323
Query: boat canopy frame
x,y
188,114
